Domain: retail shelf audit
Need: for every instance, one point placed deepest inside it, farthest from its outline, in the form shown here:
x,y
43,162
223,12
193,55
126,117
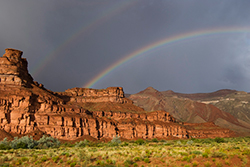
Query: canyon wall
x,y
108,124
84,95
26,105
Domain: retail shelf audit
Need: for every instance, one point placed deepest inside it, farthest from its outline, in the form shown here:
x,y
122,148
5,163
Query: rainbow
x,y
112,11
157,44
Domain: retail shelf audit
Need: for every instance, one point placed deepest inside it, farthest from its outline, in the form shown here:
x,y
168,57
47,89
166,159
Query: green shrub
x,y
219,140
146,160
65,153
246,152
167,144
205,155
196,152
148,153
124,144
227,162
72,164
23,142
4,147
109,161
55,159
128,163
82,155
207,164
136,159
190,142
218,155
206,141
218,164
187,158
140,142
67,144
82,143
183,153
115,141
102,163
154,140
44,158
48,142
27,142
179,142
22,145
98,162
24,159
18,162
195,163
68,162
5,158
236,147
37,162
5,165
5,144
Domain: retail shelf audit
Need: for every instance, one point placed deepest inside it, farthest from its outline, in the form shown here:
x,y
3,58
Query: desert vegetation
x,y
188,153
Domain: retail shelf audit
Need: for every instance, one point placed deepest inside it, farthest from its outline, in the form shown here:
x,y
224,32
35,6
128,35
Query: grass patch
x,y
195,152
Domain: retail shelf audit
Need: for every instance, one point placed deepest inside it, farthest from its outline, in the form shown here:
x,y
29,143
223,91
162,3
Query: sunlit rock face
x,y
26,105
13,69
83,95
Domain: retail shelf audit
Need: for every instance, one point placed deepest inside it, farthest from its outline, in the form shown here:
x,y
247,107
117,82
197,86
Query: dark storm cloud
x,y
115,30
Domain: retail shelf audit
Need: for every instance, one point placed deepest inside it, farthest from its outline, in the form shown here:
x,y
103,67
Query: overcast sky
x,y
69,42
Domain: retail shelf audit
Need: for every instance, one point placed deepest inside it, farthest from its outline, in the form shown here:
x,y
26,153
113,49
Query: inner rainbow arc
x,y
163,42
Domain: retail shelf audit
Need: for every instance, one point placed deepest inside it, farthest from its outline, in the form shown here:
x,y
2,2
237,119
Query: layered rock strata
x,y
26,105
107,125
13,69
84,95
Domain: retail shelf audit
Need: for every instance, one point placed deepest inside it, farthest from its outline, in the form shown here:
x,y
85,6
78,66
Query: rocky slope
x,y
183,108
26,107
234,102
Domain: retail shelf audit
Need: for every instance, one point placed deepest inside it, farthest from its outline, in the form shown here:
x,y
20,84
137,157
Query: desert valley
x,y
106,127
124,83
27,106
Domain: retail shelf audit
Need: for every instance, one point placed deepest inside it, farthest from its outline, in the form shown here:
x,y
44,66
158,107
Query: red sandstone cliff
x,y
26,106
13,69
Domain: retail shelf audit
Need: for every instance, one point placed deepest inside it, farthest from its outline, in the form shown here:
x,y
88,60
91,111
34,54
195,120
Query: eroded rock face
x,y
13,69
83,95
98,125
26,105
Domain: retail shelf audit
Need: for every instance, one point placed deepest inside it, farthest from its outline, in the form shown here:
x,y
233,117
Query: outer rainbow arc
x,y
117,8
161,43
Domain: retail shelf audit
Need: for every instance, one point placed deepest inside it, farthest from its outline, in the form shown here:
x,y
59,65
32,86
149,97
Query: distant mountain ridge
x,y
199,96
193,108
234,102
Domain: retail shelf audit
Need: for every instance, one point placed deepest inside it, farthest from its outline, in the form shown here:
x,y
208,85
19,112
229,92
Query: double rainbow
x,y
168,40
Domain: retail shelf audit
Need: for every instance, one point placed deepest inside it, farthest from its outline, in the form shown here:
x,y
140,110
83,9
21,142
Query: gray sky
x,y
68,43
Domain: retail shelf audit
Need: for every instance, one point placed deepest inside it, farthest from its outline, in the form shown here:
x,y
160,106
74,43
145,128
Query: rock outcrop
x,y
84,95
13,69
26,106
